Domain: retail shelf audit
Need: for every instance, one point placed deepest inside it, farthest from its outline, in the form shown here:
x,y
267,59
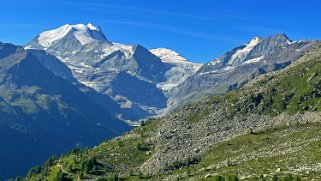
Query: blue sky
x,y
200,30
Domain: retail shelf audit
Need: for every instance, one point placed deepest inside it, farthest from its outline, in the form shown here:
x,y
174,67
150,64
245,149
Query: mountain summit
x,y
84,34
168,55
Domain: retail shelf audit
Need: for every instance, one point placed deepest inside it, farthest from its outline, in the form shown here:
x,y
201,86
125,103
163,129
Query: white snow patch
x,y
127,49
228,68
242,53
167,55
92,27
219,71
167,86
87,34
253,60
84,65
108,49
89,83
214,62
84,33
46,38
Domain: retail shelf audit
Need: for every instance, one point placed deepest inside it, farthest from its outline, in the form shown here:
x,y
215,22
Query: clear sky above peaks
x,y
200,30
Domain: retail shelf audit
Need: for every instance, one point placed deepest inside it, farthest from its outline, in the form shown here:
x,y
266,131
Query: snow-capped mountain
x,y
239,56
274,49
84,33
241,64
180,69
131,75
168,55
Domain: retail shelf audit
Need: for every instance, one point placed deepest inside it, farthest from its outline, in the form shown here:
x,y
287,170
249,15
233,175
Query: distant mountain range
x,y
72,87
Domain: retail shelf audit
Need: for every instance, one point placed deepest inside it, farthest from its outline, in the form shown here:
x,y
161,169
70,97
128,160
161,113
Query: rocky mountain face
x,y
240,65
43,114
267,128
135,78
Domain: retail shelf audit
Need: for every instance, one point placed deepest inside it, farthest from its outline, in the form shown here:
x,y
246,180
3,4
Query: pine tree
x,y
19,179
218,178
275,178
58,176
232,178
288,177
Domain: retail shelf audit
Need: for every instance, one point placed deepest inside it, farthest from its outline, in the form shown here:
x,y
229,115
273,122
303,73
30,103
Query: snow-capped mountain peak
x,y
48,37
167,55
254,41
242,53
84,33
92,27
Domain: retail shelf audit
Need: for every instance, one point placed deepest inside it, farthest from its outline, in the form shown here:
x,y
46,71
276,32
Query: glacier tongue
x,y
181,70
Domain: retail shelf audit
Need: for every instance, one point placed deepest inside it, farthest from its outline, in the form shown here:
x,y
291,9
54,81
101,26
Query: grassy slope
x,y
278,151
281,151
124,153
